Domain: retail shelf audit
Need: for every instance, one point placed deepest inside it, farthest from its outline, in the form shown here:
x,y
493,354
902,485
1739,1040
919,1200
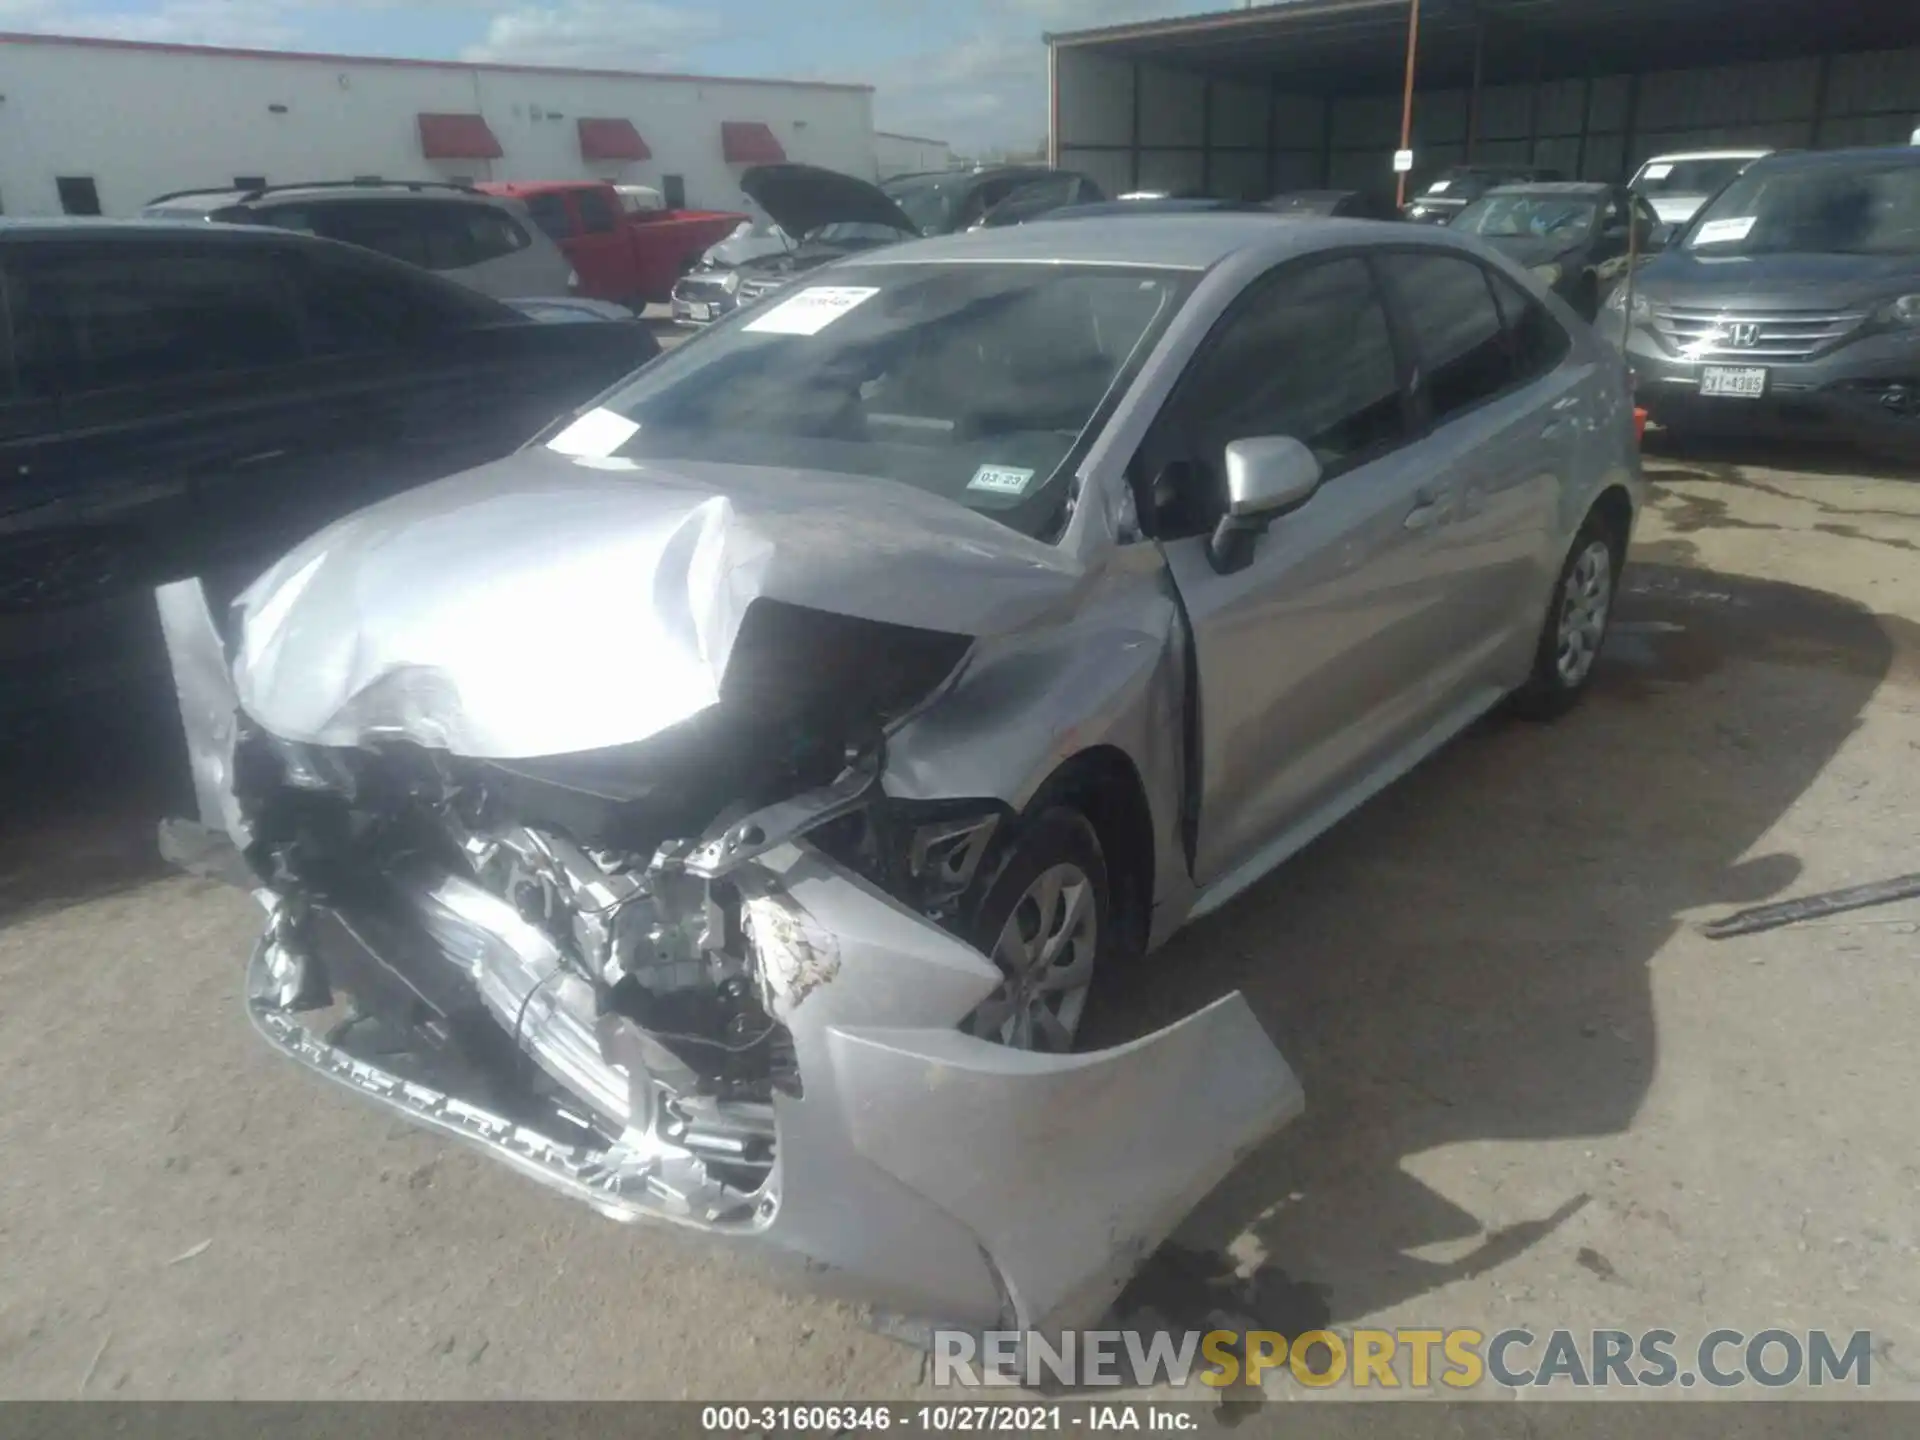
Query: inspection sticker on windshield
x,y
1657,172
813,309
1000,480
1716,232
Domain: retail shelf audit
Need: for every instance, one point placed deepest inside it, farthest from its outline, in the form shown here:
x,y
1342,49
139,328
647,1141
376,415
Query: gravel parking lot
x,y
1537,1096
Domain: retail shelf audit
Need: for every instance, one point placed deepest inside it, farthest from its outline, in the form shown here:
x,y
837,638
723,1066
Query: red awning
x,y
749,142
458,137
611,140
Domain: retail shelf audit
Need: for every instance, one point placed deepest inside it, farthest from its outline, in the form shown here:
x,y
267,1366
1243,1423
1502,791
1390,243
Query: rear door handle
x,y
1562,419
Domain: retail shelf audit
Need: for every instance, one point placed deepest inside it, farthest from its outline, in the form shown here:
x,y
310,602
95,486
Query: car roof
x,y
1167,241
1554,187
1838,159
1677,155
91,227
356,191
1490,167
538,187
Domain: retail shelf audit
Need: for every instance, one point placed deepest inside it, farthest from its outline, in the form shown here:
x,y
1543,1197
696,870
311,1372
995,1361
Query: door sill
x,y
1290,842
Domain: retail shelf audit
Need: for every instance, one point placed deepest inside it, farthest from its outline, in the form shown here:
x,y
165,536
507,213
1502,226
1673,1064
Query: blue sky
x,y
970,71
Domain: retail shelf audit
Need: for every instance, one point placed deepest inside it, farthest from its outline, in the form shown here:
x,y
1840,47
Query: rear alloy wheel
x,y
1576,624
1042,922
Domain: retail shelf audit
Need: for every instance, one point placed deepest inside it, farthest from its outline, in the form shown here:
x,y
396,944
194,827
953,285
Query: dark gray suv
x,y
1791,301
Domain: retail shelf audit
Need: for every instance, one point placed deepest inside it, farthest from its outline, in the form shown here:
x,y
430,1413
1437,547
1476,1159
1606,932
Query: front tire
x,y
1045,919
1576,626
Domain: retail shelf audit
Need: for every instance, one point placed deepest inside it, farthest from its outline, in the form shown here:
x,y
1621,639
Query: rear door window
x,y
1538,341
1459,333
433,234
597,213
92,318
490,231
549,211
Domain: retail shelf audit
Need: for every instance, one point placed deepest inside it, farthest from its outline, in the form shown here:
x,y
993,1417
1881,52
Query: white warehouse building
x,y
910,154
102,126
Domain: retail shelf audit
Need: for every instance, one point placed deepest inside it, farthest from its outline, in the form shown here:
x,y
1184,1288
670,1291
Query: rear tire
x,y
1578,617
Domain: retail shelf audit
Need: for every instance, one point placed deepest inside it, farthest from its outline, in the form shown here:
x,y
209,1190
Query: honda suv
x,y
486,242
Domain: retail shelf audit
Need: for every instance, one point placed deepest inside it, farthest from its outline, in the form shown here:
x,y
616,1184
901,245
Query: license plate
x,y
699,312
1742,382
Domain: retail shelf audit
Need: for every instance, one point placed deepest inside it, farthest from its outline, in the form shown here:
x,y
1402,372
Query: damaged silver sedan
x,y
723,809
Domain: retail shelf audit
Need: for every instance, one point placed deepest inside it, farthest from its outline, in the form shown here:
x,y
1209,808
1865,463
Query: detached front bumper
x,y
946,1179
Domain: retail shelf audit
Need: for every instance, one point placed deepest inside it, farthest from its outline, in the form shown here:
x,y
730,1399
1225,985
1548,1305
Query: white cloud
x,y
248,23
616,34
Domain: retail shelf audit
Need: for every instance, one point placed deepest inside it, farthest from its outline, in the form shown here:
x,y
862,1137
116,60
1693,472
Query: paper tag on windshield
x,y
1716,232
1657,172
1001,480
812,310
595,435
1438,187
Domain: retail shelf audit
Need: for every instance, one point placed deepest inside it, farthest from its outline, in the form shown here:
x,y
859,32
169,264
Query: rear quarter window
x,y
1465,355
1539,342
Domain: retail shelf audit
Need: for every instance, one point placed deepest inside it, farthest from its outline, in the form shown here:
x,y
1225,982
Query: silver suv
x,y
485,242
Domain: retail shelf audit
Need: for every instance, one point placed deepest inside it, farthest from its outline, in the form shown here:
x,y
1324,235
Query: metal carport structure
x,y
1253,101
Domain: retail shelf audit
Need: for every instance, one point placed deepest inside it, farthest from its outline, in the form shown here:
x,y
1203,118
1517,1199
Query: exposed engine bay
x,y
713,974
623,871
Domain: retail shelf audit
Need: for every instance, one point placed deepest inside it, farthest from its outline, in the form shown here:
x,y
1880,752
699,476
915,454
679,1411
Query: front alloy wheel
x,y
1042,921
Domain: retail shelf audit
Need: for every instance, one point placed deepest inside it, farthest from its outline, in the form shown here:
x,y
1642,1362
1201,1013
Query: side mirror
x,y
1267,476
1662,236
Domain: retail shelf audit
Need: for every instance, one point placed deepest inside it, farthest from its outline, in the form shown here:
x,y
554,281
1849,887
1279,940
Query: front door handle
x,y
1426,511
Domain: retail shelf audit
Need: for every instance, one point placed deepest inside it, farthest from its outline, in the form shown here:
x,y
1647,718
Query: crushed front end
x,y
703,979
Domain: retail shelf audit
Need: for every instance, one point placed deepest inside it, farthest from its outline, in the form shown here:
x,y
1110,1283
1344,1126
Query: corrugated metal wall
x,y
1140,126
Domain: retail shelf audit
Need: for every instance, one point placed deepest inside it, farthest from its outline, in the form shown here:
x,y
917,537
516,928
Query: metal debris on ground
x,y
1812,907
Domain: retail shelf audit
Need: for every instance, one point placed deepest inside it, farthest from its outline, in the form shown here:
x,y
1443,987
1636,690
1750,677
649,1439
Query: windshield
x,y
1538,217
1687,177
932,202
1859,209
975,382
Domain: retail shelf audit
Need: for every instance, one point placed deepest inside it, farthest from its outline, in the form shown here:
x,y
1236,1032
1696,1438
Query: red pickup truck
x,y
632,257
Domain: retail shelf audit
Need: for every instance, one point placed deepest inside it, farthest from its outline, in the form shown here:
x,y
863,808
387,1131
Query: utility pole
x,y
1406,109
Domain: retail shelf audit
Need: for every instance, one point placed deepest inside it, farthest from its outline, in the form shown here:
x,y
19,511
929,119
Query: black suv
x,y
180,399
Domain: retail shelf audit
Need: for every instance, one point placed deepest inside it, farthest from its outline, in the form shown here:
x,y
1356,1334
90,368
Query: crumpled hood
x,y
546,605
802,198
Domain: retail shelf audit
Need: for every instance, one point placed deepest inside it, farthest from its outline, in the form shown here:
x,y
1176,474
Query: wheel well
x,y
1615,510
1103,785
